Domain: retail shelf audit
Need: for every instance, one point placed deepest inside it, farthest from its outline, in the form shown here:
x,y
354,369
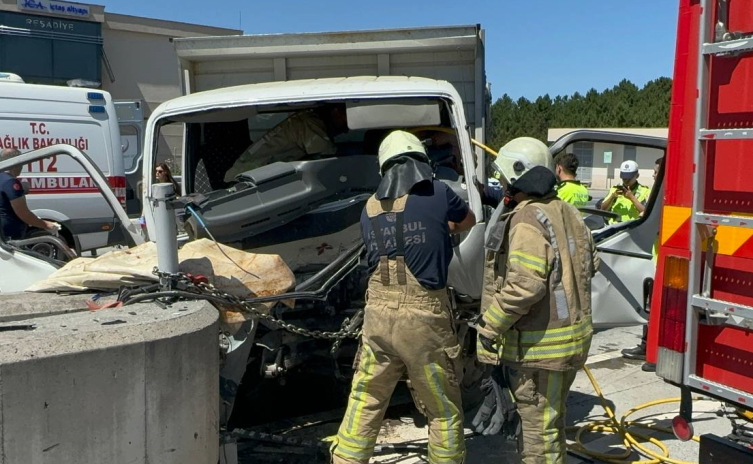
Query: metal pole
x,y
166,232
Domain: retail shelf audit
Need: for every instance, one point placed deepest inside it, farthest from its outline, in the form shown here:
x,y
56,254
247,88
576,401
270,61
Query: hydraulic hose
x,y
452,131
630,439
484,147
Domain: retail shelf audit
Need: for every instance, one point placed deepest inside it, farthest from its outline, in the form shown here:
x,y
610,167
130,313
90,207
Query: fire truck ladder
x,y
700,302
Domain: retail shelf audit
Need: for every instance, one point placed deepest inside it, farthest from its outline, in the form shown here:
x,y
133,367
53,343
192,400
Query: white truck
x,y
307,210
453,53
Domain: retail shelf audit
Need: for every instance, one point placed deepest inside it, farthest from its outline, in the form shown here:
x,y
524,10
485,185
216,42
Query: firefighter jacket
x,y
536,301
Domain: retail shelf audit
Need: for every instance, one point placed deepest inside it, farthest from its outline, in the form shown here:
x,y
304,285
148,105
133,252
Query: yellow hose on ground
x,y
630,439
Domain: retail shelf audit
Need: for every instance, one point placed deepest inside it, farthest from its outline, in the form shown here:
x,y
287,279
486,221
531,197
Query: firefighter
x,y
536,321
408,327
570,189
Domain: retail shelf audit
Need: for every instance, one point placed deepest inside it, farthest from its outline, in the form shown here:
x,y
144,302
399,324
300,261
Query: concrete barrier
x,y
137,384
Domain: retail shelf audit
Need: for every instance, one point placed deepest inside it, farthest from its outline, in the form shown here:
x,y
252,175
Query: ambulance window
x,y
130,145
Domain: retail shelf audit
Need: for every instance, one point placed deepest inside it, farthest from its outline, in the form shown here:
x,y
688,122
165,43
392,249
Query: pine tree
x,y
624,105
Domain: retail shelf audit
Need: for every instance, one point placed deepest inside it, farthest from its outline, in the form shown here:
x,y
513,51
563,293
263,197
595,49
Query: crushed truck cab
x,y
306,206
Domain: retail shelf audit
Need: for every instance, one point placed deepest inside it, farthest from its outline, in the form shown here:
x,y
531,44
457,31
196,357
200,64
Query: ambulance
x,y
36,116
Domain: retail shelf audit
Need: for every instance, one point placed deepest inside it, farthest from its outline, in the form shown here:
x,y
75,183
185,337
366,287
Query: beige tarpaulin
x,y
269,275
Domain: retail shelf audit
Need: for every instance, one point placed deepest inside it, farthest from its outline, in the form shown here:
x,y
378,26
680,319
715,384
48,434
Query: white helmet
x,y
398,143
628,169
519,155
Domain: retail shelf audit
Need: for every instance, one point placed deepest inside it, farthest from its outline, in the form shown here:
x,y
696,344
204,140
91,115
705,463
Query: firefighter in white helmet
x,y
408,327
536,302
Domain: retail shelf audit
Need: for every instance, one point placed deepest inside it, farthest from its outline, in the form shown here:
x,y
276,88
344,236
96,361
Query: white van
x,y
35,116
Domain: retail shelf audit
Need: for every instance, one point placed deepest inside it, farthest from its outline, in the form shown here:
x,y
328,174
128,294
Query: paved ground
x,y
623,383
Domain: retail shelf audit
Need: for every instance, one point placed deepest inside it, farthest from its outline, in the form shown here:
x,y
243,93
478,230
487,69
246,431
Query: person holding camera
x,y
629,199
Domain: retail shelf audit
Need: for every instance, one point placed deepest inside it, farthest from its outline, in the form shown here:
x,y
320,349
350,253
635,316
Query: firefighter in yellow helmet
x,y
408,327
536,303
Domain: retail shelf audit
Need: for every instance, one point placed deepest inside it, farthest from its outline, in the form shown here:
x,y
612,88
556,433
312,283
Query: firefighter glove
x,y
498,413
486,351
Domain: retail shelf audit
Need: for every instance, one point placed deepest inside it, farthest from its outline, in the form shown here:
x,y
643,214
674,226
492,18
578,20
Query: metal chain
x,y
348,326
182,281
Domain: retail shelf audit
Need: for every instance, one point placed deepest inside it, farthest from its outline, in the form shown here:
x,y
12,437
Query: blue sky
x,y
533,47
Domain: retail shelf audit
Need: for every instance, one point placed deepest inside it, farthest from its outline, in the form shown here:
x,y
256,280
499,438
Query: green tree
x,y
624,105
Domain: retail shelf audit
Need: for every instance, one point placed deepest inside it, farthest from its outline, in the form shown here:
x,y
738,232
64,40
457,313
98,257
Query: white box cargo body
x,y
451,53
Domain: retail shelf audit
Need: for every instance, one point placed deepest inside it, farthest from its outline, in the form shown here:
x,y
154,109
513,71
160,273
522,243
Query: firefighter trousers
x,y
407,330
541,396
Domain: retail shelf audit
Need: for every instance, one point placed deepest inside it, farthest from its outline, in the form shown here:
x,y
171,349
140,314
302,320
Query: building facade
x,y
56,43
66,43
600,162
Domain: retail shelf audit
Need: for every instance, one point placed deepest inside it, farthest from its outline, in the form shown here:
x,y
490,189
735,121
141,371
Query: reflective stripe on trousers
x,y
407,330
541,397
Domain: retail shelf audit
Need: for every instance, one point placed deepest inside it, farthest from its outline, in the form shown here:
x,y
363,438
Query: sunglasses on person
x,y
160,171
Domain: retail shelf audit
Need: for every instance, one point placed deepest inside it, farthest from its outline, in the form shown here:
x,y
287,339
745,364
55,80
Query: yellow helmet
x,y
519,155
398,143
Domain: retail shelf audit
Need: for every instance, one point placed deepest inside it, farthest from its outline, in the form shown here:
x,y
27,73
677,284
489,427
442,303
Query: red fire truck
x,y
701,328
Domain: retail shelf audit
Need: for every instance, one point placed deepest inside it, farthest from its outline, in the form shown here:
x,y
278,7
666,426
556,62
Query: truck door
x,y
621,289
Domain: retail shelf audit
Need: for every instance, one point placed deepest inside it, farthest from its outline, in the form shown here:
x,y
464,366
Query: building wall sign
x,y
55,7
47,24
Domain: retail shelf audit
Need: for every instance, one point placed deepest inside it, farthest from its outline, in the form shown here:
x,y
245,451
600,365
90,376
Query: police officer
x,y
536,301
408,326
628,199
639,351
569,188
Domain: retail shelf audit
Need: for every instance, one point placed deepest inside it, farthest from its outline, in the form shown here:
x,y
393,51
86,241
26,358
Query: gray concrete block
x,y
21,306
137,384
